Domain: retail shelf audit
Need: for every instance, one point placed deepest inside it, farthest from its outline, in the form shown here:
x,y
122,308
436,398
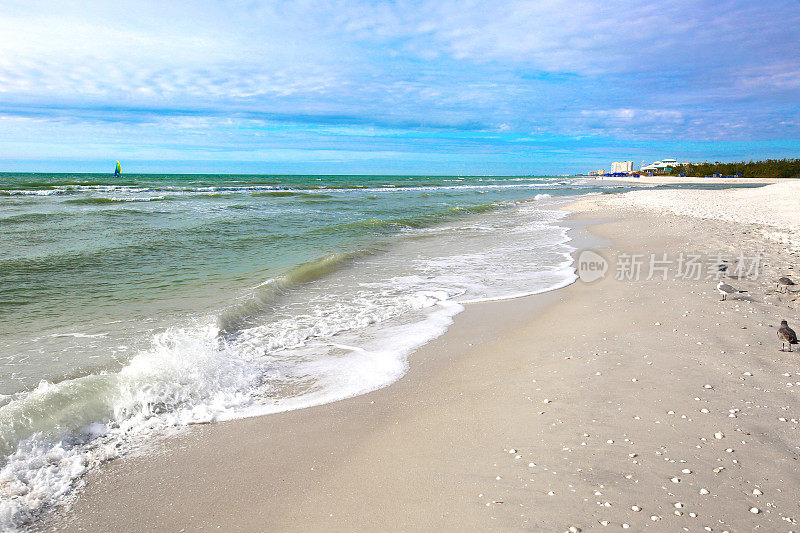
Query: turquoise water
x,y
79,251
133,306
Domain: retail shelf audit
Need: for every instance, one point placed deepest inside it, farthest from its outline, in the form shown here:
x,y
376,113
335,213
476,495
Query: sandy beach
x,y
641,402
664,180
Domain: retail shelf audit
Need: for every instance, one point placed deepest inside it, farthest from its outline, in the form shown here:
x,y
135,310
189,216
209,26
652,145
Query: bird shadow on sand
x,y
738,298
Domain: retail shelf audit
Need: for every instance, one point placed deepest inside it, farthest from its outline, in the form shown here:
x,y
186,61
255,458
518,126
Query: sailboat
x,y
118,170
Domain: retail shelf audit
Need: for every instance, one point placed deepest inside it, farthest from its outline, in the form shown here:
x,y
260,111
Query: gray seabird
x,y
787,336
784,282
725,289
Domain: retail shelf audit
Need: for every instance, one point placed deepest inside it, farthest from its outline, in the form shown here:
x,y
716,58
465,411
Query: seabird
x,y
784,282
787,336
725,289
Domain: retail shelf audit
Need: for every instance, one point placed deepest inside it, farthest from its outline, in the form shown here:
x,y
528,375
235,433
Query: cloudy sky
x,y
440,86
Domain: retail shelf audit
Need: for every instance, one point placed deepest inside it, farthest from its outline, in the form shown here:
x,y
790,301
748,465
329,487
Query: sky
x,y
404,87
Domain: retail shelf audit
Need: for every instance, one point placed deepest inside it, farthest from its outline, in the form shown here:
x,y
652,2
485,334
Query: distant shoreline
x,y
671,180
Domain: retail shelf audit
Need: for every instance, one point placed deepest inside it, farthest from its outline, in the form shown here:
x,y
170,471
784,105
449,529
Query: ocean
x,y
131,307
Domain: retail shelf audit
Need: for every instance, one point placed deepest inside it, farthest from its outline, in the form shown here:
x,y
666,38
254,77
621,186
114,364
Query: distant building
x,y
621,166
600,172
660,167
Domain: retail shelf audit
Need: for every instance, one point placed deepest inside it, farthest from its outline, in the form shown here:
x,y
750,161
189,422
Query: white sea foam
x,y
348,369
193,376
78,335
137,199
486,186
32,192
133,190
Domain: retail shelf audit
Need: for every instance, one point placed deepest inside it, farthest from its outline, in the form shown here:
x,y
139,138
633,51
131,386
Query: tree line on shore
x,y
770,168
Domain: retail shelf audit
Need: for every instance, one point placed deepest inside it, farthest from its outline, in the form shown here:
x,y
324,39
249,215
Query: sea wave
x,y
55,433
47,189
419,221
263,296
113,200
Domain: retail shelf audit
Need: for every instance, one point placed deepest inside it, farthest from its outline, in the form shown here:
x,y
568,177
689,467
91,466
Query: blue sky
x,y
445,86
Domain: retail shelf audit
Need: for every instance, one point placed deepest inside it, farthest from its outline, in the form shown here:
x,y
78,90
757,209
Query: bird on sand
x,y
787,336
784,282
725,289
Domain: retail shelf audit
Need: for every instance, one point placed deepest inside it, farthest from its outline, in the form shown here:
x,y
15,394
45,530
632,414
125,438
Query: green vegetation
x,y
771,168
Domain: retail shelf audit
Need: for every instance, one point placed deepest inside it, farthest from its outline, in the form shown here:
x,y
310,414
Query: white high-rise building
x,y
622,166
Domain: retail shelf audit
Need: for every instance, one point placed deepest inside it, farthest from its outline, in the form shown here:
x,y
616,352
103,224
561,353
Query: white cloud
x,y
550,66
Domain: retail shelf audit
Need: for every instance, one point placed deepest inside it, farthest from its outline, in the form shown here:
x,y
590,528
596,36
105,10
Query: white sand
x,y
661,180
774,207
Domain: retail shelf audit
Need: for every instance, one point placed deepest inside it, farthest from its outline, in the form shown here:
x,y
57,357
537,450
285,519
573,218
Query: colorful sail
x,y
118,171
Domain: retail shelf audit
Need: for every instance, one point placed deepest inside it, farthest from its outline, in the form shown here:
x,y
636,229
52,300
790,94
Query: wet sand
x,y
642,402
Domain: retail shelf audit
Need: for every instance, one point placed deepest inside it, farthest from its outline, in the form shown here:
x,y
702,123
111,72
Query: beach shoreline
x,y
570,408
706,180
